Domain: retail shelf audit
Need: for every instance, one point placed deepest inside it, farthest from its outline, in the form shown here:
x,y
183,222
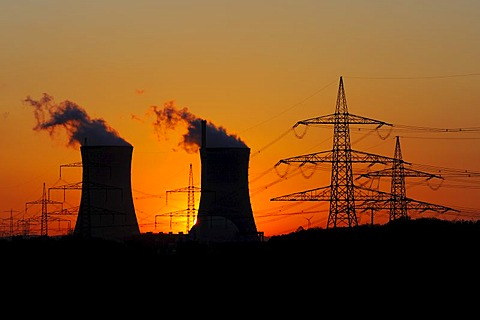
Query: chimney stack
x,y
204,133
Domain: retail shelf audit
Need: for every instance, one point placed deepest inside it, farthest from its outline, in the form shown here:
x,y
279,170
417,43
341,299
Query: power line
x,y
416,78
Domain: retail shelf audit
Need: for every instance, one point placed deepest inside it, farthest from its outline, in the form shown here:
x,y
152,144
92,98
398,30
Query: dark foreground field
x,y
432,251
399,242
425,267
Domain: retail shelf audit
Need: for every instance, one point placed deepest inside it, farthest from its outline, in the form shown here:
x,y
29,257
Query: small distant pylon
x,y
11,221
399,203
190,189
44,217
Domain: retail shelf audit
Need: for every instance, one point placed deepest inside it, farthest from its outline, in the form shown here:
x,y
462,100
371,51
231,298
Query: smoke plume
x,y
80,128
169,118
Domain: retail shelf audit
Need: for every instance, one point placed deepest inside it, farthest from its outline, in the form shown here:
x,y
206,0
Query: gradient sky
x,y
253,68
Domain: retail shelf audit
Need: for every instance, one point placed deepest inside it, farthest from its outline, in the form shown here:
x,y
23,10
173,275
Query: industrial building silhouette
x,y
225,212
106,207
107,210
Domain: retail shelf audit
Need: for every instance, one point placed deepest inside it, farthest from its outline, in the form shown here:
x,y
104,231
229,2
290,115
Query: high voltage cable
x,y
353,128
439,138
447,171
416,78
289,214
272,142
441,130
280,208
291,107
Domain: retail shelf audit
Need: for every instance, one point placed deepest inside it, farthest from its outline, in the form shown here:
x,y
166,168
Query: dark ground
x,y
422,254
400,242
419,268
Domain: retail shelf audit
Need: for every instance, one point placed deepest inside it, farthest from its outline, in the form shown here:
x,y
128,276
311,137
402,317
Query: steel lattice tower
x,y
45,215
341,192
342,189
398,205
191,198
342,199
190,189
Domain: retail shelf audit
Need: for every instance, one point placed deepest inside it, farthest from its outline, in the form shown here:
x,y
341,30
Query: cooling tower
x,y
106,206
225,212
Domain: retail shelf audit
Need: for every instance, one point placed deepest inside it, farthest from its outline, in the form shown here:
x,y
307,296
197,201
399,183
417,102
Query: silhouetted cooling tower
x,y
106,207
225,212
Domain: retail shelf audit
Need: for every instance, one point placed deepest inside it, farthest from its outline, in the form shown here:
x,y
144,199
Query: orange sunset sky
x,y
253,68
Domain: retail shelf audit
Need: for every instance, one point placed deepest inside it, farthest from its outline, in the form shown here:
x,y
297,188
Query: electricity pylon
x,y
341,192
399,203
11,221
44,217
190,189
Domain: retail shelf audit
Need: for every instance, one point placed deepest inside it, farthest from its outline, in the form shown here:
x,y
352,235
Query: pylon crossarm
x,y
407,172
375,174
354,119
76,185
43,201
66,211
74,164
327,156
360,156
349,119
185,189
326,119
425,206
317,194
323,156
370,199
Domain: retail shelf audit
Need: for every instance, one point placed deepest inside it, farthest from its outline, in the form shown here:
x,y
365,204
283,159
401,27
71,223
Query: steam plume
x,y
169,118
78,125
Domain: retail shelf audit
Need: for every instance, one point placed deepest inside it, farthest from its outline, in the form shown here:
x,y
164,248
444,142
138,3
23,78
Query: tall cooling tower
x,y
106,206
225,212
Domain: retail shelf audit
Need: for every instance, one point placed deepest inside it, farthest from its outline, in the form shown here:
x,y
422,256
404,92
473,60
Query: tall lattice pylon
x,y
342,204
341,192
